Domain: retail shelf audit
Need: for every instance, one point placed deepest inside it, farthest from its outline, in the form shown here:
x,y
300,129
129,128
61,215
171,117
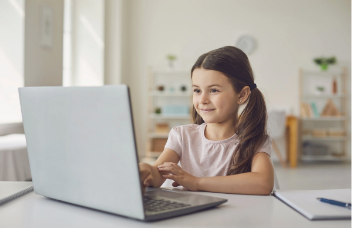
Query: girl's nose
x,y
204,99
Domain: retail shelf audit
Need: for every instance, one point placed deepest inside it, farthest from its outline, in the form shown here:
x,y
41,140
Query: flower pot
x,y
324,66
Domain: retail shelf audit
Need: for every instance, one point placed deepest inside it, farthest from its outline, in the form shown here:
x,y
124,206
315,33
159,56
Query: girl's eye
x,y
211,90
214,90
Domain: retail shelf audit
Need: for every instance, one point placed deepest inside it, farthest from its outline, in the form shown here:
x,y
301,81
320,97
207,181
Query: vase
x,y
324,66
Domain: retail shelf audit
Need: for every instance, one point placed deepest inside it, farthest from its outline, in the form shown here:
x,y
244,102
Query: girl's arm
x,y
260,181
150,175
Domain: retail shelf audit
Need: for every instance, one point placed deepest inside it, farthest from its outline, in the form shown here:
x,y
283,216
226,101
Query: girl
x,y
221,151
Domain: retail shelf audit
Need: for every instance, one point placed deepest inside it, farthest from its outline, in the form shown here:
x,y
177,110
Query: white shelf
x,y
324,95
323,73
158,135
338,118
172,72
177,117
321,158
154,154
329,138
169,94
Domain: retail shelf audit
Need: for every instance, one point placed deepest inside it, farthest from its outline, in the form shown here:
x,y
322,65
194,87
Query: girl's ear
x,y
243,95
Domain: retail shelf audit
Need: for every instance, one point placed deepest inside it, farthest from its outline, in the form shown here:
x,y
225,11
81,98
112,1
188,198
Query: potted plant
x,y
171,58
324,62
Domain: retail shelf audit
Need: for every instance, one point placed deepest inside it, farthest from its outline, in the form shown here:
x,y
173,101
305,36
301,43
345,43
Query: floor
x,y
310,176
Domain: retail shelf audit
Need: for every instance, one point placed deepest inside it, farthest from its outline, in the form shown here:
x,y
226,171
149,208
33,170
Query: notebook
x,y
14,190
306,203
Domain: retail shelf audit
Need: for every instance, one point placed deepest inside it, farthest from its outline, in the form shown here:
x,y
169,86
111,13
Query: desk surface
x,y
32,210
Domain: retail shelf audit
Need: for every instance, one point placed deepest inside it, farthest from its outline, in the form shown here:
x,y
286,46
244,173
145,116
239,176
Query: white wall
x,y
113,41
87,42
289,35
11,58
43,64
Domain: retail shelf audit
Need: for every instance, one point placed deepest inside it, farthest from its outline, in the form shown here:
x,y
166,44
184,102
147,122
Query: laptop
x,y
82,150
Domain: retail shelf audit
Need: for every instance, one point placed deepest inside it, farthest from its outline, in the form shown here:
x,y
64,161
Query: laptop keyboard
x,y
158,205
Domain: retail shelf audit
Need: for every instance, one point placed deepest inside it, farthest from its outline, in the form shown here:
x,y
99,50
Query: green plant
x,y
157,110
171,57
324,62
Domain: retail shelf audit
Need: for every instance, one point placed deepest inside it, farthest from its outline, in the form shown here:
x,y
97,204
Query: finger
x,y
175,184
148,181
172,177
169,163
171,170
173,165
165,168
144,174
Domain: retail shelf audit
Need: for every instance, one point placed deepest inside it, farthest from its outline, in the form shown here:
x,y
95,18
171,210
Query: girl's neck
x,y
219,131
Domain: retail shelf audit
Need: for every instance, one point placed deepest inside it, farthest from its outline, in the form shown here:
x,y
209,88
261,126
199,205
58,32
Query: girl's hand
x,y
180,176
146,175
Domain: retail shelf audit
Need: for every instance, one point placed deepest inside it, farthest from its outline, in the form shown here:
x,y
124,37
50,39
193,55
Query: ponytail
x,y
251,130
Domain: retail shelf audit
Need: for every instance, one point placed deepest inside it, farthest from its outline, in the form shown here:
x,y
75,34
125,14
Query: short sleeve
x,y
267,146
174,141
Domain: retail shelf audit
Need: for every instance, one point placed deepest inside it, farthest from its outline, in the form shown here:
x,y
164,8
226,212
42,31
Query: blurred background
x,y
300,52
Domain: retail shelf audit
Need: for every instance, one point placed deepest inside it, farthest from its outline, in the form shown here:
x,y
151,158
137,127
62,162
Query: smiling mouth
x,y
207,110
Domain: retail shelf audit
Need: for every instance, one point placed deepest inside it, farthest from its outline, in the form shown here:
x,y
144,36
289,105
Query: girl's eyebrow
x,y
208,86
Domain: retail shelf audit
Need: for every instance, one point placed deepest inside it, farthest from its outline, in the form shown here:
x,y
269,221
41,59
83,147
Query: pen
x,y
334,202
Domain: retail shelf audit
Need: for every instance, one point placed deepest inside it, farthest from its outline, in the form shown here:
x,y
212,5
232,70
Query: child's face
x,y
214,98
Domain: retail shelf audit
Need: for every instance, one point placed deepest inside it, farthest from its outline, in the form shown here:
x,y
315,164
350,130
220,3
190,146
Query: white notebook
x,y
13,191
306,203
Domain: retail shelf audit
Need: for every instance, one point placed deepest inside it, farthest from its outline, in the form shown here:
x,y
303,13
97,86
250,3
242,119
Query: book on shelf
x,y
309,110
306,110
314,108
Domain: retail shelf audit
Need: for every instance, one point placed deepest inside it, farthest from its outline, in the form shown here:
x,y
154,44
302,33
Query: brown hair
x,y
251,124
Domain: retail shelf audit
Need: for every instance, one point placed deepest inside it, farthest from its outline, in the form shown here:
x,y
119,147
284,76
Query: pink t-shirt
x,y
202,157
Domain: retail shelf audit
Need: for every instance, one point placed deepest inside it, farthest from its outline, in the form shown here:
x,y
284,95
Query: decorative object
x,y
246,43
321,89
336,133
306,132
157,110
315,109
330,109
306,110
310,148
47,27
171,58
309,110
172,89
319,133
158,144
160,88
334,85
183,88
175,109
162,128
324,62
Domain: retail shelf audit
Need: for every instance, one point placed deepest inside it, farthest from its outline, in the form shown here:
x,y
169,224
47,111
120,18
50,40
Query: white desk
x,y
36,211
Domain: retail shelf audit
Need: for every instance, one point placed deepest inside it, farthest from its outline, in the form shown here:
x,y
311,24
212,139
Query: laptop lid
x,y
82,148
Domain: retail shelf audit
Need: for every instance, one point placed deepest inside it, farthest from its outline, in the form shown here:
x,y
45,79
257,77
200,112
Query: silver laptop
x,y
82,150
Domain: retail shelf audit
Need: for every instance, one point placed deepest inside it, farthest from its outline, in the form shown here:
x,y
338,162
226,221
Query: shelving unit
x,y
172,95
334,147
